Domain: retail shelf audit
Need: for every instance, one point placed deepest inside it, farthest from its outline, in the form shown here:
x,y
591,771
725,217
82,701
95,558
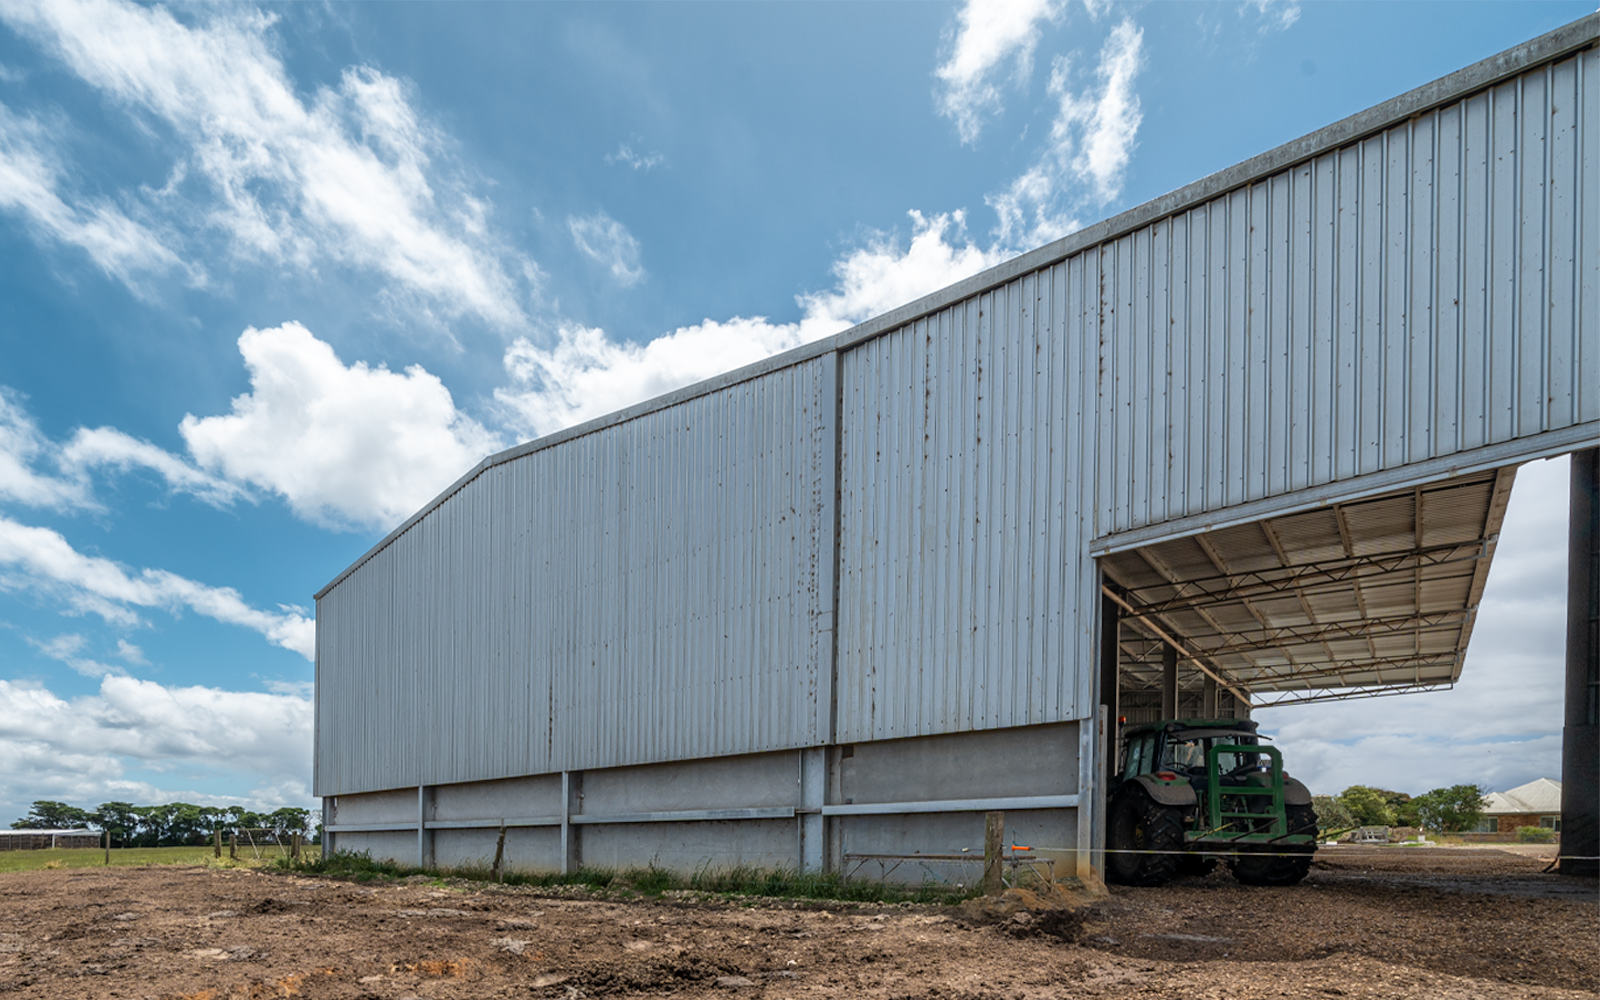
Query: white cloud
x,y
31,185
347,175
22,448
1501,725
1091,141
131,653
626,156
80,749
40,560
989,33
607,241
25,452
107,447
585,373
343,445
65,648
1274,15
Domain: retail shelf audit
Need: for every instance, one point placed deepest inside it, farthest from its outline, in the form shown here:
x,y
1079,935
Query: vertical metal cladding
x,y
960,517
1421,292
662,588
649,591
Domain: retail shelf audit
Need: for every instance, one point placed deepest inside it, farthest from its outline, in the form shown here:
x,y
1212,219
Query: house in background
x,y
1538,803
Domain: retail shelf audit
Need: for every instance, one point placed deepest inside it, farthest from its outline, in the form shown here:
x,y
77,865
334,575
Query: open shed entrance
x,y
1369,597
1354,599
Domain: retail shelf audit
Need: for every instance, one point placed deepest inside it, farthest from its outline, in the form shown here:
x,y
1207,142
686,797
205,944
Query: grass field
x,y
21,861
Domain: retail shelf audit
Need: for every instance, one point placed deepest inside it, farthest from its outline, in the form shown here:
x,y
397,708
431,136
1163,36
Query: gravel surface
x,y
1368,922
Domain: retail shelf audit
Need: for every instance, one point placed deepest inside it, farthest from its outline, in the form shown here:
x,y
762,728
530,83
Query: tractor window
x,y
1183,756
1139,752
1231,761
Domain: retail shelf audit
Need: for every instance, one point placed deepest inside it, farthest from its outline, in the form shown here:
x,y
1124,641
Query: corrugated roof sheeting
x,y
1421,292
1375,592
649,592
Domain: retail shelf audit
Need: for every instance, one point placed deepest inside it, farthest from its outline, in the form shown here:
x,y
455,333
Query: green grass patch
x,y
651,881
95,857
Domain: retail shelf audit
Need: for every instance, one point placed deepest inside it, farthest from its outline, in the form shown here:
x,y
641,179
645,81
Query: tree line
x,y
1442,810
175,824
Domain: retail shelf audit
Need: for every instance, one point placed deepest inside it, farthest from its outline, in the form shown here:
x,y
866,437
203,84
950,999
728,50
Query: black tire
x,y
1196,864
1285,865
1150,833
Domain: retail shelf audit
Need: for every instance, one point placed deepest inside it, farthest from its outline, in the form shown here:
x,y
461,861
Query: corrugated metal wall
x,y
961,479
661,588
1423,292
647,592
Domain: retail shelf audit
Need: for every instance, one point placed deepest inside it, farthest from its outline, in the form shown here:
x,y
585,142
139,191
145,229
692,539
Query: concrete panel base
x,y
869,809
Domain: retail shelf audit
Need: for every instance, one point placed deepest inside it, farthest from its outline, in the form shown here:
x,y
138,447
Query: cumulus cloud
x,y
1091,141
988,35
32,185
585,373
42,561
608,242
343,445
1501,725
350,174
81,749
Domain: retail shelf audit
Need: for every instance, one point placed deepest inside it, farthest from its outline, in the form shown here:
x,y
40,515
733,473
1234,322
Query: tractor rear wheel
x,y
1286,865
1144,839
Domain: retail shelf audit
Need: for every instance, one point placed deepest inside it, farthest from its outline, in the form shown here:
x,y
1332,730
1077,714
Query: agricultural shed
x,y
42,840
1248,443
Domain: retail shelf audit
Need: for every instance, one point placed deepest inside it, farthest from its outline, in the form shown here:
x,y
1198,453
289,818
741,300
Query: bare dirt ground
x,y
1368,922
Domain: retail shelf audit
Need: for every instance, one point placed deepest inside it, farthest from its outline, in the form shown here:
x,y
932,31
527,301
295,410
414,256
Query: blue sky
x,y
273,276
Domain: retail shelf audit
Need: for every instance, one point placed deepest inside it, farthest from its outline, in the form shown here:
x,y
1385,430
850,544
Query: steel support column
x,y
1110,638
1169,681
1580,744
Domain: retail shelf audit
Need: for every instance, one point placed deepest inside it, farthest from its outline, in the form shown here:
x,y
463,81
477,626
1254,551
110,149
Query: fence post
x,y
294,847
108,847
233,847
499,852
216,842
994,837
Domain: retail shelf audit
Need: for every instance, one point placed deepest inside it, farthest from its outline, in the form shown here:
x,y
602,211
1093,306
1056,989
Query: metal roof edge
x,y
1552,45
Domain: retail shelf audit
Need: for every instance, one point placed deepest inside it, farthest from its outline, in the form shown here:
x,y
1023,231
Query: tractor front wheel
x,y
1144,839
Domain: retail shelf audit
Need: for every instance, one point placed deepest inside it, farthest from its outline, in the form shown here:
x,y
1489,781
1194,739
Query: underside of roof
x,y
1368,597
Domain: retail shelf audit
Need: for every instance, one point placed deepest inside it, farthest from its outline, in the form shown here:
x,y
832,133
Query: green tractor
x,y
1195,790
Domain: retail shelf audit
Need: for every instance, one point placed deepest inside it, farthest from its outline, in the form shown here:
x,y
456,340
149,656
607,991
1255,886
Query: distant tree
x,y
289,820
47,815
1368,806
1404,806
117,819
1332,814
1450,810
